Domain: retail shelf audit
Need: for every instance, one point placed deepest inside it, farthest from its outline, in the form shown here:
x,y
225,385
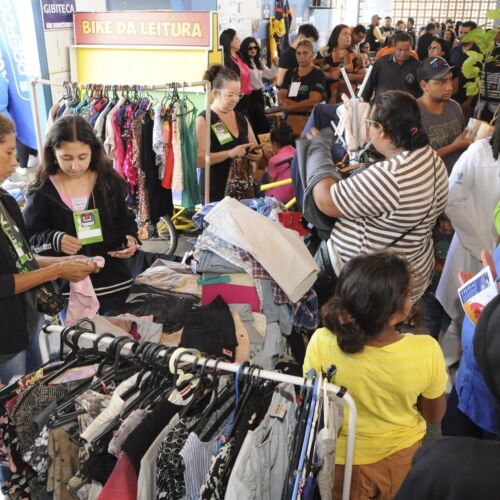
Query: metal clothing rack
x,y
179,85
88,339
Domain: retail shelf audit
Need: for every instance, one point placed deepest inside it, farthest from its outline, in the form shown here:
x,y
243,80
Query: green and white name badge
x,y
88,226
222,133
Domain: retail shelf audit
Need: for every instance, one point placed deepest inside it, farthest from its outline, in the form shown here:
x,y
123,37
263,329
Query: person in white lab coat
x,y
474,191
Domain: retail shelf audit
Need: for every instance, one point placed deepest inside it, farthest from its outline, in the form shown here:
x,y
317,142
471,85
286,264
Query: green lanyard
x,y
24,257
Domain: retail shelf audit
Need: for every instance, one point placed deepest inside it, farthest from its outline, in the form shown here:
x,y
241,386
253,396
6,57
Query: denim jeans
x,y
25,361
320,118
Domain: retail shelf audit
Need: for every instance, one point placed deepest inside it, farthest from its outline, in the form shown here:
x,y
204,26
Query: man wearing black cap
x,y
463,468
396,71
373,35
442,118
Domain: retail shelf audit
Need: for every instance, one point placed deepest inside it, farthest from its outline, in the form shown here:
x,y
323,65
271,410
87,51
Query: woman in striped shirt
x,y
395,202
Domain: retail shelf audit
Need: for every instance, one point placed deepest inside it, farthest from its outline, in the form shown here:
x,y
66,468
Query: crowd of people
x,y
419,201
401,230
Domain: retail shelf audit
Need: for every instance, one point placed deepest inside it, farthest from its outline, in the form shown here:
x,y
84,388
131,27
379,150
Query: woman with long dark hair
x,y
230,43
250,53
341,55
77,205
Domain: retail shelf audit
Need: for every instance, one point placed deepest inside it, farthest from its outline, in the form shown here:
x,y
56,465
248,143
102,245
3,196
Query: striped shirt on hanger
x,y
386,200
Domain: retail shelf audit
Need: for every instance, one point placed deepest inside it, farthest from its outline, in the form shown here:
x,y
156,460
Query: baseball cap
x,y
433,68
487,346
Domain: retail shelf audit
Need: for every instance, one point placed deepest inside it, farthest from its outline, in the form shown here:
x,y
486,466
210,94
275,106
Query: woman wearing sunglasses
x,y
250,53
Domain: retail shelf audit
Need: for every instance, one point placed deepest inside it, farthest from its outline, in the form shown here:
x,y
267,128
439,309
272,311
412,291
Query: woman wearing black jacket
x,y
77,204
21,273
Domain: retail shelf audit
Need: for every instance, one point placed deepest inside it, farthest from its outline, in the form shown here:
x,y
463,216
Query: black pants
x,y
456,423
257,114
23,153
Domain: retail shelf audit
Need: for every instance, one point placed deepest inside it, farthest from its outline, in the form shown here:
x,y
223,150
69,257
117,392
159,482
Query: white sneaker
x,y
33,161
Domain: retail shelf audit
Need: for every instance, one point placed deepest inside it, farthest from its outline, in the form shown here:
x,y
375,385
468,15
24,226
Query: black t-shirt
x,y
220,171
454,468
490,85
288,59
314,81
457,59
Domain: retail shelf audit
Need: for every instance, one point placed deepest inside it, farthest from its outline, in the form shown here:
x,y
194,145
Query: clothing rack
x,y
88,339
179,85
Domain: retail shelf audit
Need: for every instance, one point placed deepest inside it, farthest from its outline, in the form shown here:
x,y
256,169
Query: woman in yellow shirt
x,y
397,380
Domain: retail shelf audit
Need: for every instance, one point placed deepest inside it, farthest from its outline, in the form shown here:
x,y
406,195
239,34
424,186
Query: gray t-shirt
x,y
443,129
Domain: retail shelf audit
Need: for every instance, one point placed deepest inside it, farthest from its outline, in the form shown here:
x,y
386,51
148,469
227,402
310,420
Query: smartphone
x,y
254,149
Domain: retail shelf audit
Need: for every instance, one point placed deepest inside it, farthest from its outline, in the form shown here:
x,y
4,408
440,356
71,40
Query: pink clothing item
x,y
122,484
231,294
280,173
64,197
83,302
119,151
246,86
129,168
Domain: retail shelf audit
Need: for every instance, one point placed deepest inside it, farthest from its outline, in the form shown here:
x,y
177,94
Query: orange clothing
x,y
390,50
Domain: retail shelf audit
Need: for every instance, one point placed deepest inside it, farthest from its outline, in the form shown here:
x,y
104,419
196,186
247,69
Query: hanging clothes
x,y
178,174
189,147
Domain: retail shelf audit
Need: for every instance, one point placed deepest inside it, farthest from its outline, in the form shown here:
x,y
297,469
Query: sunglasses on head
x,y
438,62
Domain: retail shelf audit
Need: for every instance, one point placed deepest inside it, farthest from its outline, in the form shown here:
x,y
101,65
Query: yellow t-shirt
x,y
385,383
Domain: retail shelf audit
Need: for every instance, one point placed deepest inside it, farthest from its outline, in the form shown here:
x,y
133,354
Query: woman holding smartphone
x,y
231,134
77,205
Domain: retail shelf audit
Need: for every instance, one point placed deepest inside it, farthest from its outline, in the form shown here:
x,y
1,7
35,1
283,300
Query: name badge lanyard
x,y
16,239
295,85
88,224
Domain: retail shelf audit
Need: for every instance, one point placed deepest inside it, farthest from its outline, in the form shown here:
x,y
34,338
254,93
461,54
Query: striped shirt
x,y
388,199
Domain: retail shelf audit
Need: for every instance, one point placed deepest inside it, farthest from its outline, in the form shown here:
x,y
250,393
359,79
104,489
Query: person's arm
x,y
290,105
321,173
459,144
432,410
256,155
378,35
269,72
371,83
214,157
359,71
280,75
40,237
432,402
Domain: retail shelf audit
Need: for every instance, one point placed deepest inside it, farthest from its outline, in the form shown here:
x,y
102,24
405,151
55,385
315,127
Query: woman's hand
x,y
127,252
335,73
70,245
76,269
240,150
254,154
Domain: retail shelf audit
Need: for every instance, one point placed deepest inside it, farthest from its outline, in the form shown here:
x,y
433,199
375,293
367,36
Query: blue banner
x,y
13,67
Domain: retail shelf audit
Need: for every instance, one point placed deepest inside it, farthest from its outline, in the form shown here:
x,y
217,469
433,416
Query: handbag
x,y
240,181
50,300
297,122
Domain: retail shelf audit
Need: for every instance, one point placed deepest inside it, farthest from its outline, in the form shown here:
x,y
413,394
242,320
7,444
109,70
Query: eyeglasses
x,y
229,95
370,122
252,47
443,83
